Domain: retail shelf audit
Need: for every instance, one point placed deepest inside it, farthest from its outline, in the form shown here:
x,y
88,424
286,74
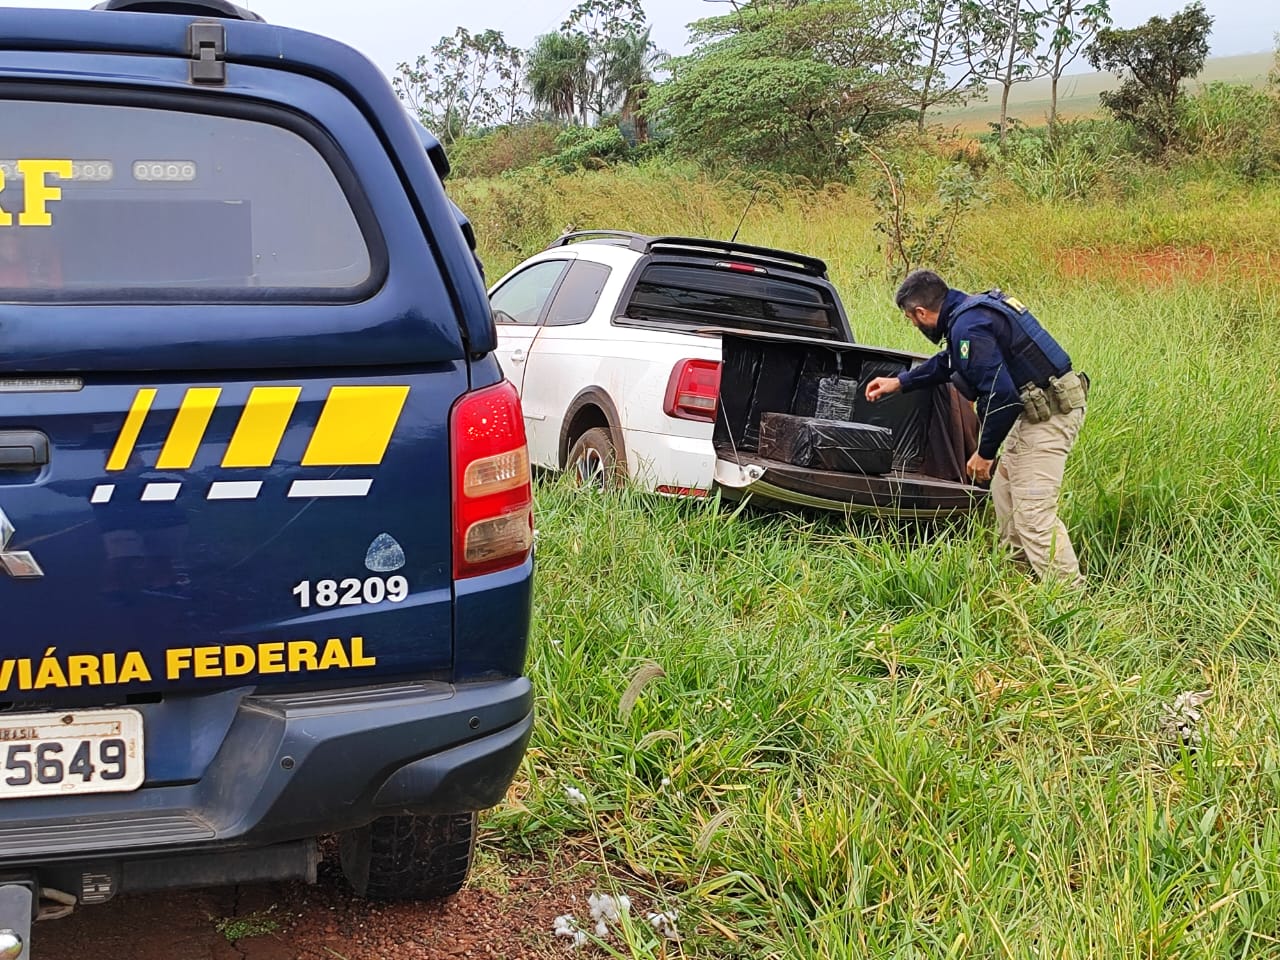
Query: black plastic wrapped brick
x,y
826,444
836,397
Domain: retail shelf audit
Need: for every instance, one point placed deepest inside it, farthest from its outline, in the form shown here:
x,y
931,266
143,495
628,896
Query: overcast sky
x,y
391,31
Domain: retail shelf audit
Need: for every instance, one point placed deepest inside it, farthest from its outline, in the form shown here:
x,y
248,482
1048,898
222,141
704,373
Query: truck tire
x,y
593,459
409,857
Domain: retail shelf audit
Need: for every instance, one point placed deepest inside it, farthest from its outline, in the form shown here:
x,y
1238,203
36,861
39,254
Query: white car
x,y
613,341
689,365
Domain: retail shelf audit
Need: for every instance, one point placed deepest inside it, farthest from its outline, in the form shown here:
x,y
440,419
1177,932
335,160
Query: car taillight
x,y
492,487
693,391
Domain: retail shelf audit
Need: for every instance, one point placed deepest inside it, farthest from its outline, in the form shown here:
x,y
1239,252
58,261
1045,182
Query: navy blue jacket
x,y
973,351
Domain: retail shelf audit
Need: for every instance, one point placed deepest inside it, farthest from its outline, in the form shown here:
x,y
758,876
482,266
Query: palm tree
x,y
631,60
559,77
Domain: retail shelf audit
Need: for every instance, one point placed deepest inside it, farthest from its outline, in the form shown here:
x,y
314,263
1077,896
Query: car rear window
x,y
103,198
710,296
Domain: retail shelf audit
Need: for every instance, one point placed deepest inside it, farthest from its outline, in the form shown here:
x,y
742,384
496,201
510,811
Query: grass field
x,y
1078,93
817,739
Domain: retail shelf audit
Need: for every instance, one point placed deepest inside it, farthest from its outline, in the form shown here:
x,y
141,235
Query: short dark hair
x,y
922,288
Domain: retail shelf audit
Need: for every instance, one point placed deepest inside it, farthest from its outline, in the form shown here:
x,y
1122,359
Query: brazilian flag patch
x,y
964,349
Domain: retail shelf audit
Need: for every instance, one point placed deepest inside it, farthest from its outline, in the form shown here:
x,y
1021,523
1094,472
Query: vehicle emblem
x,y
19,563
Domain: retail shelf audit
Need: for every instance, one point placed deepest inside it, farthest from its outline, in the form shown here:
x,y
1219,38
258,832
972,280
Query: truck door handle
x,y
517,355
23,449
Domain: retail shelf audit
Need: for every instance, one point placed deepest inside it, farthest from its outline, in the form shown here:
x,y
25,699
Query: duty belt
x,y
1060,395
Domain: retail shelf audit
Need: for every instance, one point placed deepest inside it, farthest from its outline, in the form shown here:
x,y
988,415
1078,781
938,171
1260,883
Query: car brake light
x,y
693,391
741,267
492,486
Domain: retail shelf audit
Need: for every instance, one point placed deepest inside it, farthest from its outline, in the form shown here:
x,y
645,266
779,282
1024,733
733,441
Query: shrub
x,y
588,148
504,149
1235,127
1076,163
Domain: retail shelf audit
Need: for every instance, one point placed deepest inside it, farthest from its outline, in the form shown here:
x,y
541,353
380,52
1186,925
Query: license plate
x,y
86,751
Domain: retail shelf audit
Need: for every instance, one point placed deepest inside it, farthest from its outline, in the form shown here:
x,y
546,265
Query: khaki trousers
x,y
1025,490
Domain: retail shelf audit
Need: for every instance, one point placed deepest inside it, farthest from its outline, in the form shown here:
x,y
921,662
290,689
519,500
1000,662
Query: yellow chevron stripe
x,y
355,426
188,428
262,426
128,438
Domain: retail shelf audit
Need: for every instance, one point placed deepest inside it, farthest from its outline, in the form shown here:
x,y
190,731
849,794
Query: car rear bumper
x,y
295,766
670,460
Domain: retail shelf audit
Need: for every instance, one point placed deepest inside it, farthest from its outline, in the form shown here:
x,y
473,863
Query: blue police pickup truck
x,y
265,506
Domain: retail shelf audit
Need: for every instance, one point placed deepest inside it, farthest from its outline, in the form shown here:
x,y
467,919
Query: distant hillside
x,y
1078,93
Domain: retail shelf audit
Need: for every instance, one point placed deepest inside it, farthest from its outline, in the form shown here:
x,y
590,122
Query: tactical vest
x,y
1032,355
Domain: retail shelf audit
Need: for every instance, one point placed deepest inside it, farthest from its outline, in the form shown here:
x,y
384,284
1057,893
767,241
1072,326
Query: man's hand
x,y
882,387
979,467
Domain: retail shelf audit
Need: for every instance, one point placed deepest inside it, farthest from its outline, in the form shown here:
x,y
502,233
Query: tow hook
x,y
17,906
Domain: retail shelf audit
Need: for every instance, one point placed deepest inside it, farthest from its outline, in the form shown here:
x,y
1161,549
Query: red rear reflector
x,y
741,267
492,487
681,491
693,390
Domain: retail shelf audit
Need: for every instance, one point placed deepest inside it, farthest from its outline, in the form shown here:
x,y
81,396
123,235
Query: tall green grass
x,y
825,740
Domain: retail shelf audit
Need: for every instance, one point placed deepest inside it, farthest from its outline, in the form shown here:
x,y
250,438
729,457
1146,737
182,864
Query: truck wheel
x,y
593,460
409,857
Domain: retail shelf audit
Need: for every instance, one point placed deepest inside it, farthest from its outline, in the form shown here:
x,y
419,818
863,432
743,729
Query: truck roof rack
x,y
647,244
196,8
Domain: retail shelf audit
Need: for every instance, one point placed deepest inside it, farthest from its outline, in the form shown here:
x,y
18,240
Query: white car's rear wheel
x,y
593,460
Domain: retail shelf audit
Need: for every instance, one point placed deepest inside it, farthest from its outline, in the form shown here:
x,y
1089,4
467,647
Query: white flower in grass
x,y
576,796
664,924
605,908
666,782
1179,722
566,926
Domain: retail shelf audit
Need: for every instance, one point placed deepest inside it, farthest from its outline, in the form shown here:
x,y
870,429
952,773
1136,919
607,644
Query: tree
x,y
1072,26
1000,39
454,92
938,29
632,61
600,60
606,27
558,76
1154,60
509,93
773,84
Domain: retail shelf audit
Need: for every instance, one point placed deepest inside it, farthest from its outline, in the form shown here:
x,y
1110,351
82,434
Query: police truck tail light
x,y
693,391
492,488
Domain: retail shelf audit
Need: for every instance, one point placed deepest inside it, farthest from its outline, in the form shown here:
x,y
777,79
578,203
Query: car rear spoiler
x,y
640,243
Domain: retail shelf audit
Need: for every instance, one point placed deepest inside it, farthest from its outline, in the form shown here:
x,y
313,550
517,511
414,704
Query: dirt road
x,y
507,911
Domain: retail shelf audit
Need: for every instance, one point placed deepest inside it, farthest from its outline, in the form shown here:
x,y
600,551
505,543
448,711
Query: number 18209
x,y
351,592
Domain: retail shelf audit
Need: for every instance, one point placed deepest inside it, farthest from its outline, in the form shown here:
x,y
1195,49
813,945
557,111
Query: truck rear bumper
x,y
295,766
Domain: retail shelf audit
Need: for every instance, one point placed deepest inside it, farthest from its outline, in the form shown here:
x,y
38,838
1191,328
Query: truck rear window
x,y
99,199
707,296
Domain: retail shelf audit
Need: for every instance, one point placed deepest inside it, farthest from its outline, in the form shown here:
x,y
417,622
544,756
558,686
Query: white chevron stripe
x,y
330,488
161,492
235,490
